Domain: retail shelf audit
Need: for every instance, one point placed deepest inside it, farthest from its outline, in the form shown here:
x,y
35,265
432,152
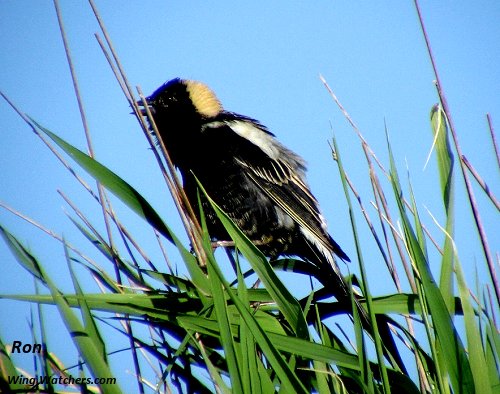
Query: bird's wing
x,y
280,174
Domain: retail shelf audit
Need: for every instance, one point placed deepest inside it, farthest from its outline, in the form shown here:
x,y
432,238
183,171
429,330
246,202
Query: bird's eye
x,y
166,101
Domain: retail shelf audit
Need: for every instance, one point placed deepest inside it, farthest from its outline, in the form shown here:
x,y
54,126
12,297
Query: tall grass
x,y
216,332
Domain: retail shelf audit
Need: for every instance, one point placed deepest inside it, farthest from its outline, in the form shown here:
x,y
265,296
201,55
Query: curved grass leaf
x,y
233,358
453,355
22,254
8,371
476,351
89,320
224,322
112,182
87,346
407,304
289,380
158,306
445,166
287,303
360,312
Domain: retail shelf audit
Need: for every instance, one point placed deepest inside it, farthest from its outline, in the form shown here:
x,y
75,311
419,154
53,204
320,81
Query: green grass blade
x,y
112,182
315,351
287,304
289,344
198,278
402,303
445,165
87,348
476,351
251,379
23,256
164,307
88,319
366,290
492,353
8,370
222,315
453,353
289,380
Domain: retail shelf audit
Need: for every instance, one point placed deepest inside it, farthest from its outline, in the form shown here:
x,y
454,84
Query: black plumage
x,y
257,181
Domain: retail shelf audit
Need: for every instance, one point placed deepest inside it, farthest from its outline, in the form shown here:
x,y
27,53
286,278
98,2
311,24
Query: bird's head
x,y
181,100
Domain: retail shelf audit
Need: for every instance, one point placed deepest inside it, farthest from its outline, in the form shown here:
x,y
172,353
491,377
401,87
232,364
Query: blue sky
x,y
263,59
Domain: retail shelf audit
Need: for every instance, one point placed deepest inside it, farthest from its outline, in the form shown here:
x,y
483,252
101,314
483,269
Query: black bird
x,y
256,180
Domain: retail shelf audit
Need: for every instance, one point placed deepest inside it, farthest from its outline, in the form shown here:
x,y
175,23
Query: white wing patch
x,y
285,162
257,137
285,168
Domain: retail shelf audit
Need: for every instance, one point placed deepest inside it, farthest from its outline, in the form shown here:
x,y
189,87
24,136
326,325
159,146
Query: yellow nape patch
x,y
204,100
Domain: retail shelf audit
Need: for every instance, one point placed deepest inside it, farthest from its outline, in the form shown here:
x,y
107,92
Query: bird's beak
x,y
142,108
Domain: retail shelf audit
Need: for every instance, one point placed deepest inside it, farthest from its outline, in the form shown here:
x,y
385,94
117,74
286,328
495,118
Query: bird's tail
x,y
334,283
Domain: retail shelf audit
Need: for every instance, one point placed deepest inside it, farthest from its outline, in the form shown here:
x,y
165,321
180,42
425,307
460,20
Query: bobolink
x,y
257,181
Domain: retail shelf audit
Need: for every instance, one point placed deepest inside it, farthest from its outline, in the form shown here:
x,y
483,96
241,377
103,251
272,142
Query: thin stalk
x,y
493,138
180,200
101,191
386,215
366,291
369,153
182,203
45,230
470,193
51,147
481,183
84,122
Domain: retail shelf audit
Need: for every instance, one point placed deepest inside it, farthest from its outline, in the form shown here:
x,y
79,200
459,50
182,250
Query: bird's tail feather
x,y
335,283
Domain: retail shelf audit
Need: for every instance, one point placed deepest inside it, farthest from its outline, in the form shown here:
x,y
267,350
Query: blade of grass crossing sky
x,y
289,380
366,290
287,303
253,381
451,348
87,348
112,182
476,350
445,166
222,314
88,319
